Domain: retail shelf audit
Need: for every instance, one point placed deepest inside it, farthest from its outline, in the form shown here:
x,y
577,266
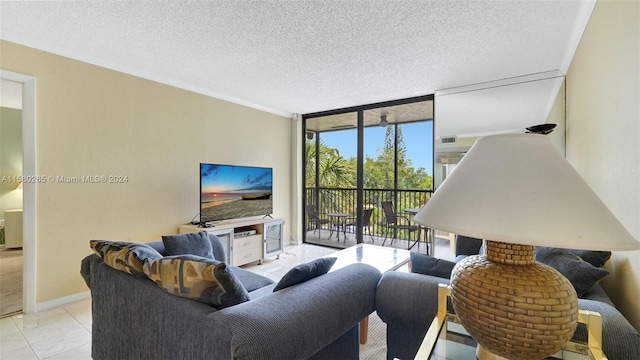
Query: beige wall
x,y
603,131
10,159
95,121
557,115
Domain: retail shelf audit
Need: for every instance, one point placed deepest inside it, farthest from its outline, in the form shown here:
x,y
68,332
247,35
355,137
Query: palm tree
x,y
334,172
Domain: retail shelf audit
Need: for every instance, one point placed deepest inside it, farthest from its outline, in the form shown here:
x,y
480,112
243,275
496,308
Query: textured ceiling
x,y
307,56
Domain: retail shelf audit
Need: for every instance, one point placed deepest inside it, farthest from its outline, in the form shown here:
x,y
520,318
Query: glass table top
x,y
447,339
382,258
454,342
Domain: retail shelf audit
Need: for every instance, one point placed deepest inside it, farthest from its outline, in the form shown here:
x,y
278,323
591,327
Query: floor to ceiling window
x,y
356,159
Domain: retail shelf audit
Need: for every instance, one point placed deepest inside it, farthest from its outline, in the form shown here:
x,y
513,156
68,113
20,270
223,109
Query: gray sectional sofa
x,y
133,318
407,303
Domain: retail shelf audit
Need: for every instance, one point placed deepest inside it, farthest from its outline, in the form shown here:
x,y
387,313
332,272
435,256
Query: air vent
x,y
448,140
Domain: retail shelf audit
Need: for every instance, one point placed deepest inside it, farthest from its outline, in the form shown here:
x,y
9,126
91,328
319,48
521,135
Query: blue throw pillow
x,y
582,275
595,258
428,265
303,272
189,244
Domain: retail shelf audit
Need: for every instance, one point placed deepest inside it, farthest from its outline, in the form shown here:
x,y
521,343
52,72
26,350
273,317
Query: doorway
x,y
10,198
28,189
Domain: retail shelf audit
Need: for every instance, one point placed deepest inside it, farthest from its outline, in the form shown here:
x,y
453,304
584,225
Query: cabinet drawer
x,y
246,255
247,249
247,242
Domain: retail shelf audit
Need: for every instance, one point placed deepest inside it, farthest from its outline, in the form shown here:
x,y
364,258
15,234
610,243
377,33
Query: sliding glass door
x,y
355,159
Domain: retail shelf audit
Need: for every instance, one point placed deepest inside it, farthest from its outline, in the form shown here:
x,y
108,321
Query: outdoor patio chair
x,y
315,218
366,222
394,221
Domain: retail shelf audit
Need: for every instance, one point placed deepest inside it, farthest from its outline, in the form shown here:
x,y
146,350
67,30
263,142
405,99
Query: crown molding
x,y
75,55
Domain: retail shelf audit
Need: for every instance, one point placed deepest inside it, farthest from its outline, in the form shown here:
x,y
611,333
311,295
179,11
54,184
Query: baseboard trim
x,y
47,305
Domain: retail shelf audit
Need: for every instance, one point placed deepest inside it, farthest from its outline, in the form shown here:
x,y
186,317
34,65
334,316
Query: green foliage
x,y
379,172
338,172
335,170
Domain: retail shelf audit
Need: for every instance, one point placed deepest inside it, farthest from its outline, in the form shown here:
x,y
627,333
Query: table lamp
x,y
517,192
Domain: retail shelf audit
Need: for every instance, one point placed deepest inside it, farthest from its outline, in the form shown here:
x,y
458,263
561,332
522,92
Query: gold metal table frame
x,y
438,331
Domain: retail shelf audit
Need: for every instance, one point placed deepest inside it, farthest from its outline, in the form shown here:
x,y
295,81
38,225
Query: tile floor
x,y
60,333
65,332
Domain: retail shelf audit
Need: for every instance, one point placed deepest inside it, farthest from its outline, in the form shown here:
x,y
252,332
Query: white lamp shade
x,y
520,189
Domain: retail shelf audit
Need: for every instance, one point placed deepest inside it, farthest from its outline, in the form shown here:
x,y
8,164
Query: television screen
x,y
230,191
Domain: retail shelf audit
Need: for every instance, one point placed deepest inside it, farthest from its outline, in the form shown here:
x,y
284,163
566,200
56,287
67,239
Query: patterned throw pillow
x,y
125,256
194,277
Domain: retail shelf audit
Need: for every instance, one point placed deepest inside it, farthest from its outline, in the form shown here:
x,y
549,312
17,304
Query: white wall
x,y
603,131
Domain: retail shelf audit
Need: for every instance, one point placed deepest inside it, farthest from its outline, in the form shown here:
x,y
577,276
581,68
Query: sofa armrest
x,y
408,298
407,303
298,321
620,340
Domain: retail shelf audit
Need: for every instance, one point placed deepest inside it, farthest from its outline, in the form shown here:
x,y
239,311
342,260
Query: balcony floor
x,y
442,246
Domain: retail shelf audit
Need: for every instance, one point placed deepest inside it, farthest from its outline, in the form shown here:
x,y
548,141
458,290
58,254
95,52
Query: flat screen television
x,y
231,191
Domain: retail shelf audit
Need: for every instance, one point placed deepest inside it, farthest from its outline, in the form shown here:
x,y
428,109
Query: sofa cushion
x,y
189,244
582,275
251,281
595,258
125,256
262,292
198,278
429,265
303,272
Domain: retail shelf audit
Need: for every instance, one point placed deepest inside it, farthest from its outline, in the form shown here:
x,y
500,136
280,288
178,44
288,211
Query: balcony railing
x,y
343,200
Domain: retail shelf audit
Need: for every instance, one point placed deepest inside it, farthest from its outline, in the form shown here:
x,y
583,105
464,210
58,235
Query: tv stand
x,y
263,238
206,225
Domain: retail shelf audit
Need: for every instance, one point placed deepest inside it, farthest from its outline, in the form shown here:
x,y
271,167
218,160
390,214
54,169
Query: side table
x,y
446,338
338,221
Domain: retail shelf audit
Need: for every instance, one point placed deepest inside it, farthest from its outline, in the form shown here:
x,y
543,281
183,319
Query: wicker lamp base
x,y
484,354
512,306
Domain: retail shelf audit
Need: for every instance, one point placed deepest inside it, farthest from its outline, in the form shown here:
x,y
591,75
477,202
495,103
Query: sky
x,y
230,178
418,138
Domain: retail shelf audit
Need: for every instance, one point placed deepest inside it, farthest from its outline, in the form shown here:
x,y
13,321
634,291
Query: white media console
x,y
246,240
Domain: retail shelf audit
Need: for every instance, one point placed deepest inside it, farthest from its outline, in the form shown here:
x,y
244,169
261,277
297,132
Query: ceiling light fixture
x,y
383,120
